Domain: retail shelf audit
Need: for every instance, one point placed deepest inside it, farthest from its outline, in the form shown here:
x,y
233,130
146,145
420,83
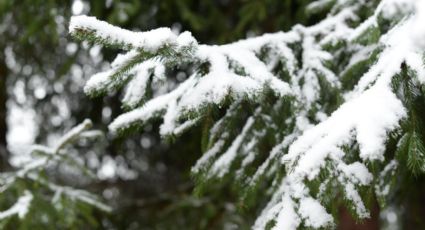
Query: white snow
x,y
98,82
213,87
418,27
357,172
20,208
138,85
152,108
73,134
222,164
149,41
287,217
382,188
207,156
314,213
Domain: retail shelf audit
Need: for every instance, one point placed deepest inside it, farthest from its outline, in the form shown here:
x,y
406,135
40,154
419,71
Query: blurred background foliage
x,y
146,180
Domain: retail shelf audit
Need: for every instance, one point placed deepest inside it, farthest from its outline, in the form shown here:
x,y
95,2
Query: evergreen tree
x,y
313,117
298,123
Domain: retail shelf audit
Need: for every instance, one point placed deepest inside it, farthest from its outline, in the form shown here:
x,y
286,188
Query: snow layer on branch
x,y
287,217
138,85
73,134
382,188
149,41
218,135
20,208
222,164
214,87
290,205
357,172
368,118
107,80
370,112
418,33
76,194
314,213
152,108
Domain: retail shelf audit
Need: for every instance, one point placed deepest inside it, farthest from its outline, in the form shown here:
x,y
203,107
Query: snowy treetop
x,y
322,101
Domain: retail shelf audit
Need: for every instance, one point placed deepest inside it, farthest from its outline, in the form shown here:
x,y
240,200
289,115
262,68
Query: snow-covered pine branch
x,y
307,111
220,73
30,179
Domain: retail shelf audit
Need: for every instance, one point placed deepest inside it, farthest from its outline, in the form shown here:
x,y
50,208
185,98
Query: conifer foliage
x,y
305,116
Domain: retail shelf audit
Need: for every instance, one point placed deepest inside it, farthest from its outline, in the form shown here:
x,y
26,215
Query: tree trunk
x,y
4,163
347,222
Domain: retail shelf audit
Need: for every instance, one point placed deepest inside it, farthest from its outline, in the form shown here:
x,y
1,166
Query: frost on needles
x,y
299,116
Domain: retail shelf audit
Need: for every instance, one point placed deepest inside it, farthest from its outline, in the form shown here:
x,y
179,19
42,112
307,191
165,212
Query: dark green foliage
x,y
411,148
415,154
